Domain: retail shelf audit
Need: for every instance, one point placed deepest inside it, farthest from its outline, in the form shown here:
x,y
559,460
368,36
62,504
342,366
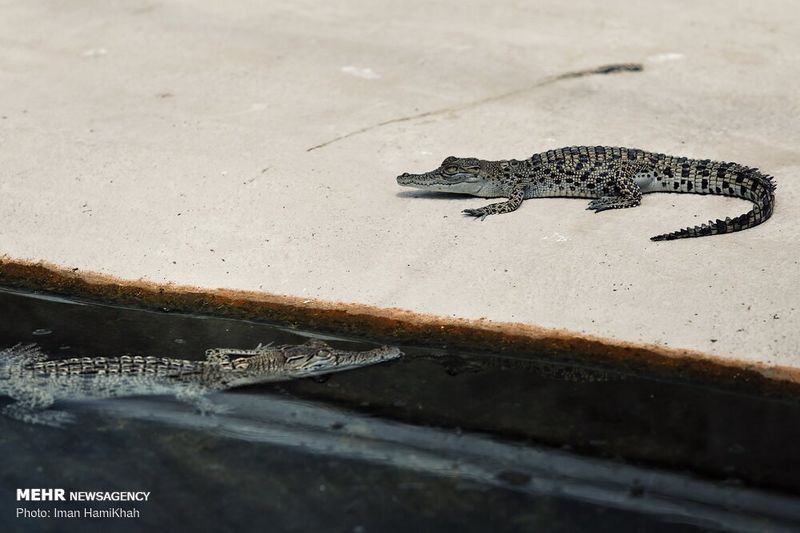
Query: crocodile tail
x,y
730,179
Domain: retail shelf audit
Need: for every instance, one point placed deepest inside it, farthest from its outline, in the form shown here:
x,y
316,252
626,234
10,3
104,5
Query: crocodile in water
x,y
614,177
35,382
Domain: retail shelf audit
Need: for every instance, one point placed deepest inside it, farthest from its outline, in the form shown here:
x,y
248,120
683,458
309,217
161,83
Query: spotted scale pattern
x,y
614,177
36,382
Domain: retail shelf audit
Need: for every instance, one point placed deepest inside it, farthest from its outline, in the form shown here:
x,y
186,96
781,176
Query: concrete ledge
x,y
405,327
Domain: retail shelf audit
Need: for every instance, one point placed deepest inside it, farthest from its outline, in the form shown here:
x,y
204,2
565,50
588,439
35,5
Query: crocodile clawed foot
x,y
479,213
600,204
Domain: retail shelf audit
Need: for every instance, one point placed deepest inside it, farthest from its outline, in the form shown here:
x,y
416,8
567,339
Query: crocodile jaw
x,y
433,181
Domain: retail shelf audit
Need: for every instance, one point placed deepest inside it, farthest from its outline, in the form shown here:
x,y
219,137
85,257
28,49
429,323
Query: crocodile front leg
x,y
514,201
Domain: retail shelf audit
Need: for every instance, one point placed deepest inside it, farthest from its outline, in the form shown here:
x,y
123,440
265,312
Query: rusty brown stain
x,y
401,326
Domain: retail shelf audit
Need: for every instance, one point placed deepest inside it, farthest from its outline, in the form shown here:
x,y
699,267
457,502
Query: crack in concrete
x,y
613,68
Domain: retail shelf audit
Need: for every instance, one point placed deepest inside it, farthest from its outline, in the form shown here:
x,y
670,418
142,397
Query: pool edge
x,y
400,326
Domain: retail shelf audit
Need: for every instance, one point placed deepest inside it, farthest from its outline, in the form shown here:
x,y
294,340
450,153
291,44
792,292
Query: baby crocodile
x,y
35,382
614,177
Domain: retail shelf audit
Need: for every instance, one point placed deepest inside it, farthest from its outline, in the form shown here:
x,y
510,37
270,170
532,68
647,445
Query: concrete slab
x,y
255,147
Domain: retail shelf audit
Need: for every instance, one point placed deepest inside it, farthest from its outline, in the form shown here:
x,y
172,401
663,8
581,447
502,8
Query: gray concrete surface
x,y
170,141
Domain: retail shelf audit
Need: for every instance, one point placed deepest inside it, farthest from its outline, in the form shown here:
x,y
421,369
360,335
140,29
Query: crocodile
x,y
615,177
36,382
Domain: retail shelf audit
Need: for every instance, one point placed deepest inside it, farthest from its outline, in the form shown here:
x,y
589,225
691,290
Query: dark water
x,y
434,441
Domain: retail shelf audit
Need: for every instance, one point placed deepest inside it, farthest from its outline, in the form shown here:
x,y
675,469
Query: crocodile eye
x,y
452,169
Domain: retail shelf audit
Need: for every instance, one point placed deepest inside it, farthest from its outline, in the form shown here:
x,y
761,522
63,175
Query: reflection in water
x,y
35,381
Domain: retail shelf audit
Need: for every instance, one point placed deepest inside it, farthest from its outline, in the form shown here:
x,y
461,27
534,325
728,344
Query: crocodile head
x,y
312,358
464,175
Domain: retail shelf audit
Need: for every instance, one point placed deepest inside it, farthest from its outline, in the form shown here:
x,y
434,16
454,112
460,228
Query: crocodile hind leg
x,y
31,407
628,193
31,403
514,201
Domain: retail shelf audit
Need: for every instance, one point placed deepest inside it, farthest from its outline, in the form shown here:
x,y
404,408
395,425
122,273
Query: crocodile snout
x,y
404,178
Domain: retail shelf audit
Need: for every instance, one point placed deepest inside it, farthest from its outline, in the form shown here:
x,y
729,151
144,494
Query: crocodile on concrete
x,y
615,177
36,382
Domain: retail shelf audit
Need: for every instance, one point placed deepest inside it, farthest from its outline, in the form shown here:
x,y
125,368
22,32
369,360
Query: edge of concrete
x,y
393,325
